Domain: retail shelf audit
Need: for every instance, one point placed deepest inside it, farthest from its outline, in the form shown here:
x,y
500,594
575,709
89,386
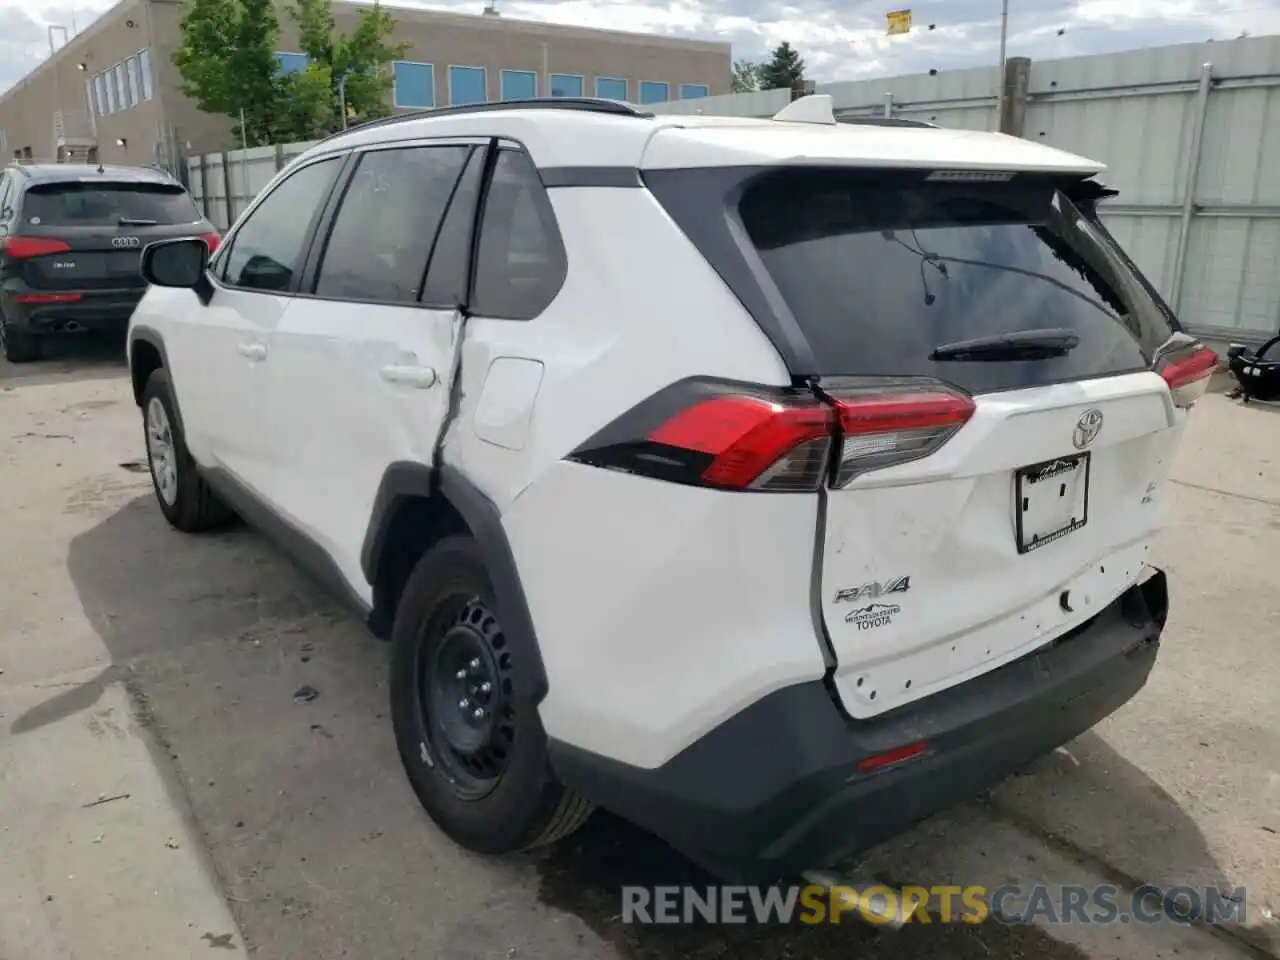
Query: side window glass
x,y
446,284
521,262
387,222
267,251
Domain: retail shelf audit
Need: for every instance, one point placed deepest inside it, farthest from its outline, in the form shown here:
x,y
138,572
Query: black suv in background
x,y
71,236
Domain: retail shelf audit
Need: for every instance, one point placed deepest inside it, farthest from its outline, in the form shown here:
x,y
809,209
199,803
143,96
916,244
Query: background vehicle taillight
x,y
212,240
21,248
887,425
1187,372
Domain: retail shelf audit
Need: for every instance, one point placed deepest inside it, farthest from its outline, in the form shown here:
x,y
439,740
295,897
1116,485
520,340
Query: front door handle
x,y
254,351
413,376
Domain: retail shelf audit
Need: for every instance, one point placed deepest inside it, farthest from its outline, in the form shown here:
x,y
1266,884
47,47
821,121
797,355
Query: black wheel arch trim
x,y
415,480
152,337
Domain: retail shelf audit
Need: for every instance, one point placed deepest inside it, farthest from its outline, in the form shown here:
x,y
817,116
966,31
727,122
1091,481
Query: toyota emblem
x,y
125,242
1087,428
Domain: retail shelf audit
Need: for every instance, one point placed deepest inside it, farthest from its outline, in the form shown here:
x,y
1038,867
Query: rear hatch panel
x,y
944,557
924,580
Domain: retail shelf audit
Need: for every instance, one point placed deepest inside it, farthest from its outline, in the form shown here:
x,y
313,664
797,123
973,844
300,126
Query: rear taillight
x,y
760,439
887,425
21,248
212,240
727,436
1187,372
753,443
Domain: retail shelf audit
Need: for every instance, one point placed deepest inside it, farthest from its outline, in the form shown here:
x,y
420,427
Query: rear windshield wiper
x,y
1018,345
136,222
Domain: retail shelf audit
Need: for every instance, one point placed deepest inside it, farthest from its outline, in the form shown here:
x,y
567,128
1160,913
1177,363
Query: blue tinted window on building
x,y
519,84
692,91
651,91
611,88
291,62
565,85
467,85
414,84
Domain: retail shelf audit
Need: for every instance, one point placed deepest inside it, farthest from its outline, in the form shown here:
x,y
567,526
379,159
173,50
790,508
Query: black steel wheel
x,y
468,733
466,697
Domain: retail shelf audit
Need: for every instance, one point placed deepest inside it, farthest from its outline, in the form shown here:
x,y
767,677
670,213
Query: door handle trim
x,y
410,375
253,351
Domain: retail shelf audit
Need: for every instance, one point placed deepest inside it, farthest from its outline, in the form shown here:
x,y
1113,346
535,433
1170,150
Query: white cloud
x,y
839,39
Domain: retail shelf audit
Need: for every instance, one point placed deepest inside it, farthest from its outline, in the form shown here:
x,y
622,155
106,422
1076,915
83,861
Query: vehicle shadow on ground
x,y
268,707
1261,406
68,359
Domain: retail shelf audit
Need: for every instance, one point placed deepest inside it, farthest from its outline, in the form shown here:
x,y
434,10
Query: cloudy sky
x,y
839,39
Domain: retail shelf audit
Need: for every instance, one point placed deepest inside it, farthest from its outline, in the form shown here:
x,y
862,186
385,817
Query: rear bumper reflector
x,y
46,297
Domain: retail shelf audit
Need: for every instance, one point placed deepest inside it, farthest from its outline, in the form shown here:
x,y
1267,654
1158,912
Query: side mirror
x,y
178,263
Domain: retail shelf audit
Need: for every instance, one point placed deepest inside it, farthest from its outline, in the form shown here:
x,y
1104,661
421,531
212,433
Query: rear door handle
x,y
254,351
413,376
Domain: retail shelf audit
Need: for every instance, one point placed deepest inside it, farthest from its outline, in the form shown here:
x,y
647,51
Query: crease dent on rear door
x,y
469,196
1008,400
454,380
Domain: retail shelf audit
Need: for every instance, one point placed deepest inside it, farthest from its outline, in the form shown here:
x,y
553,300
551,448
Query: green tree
x,y
783,69
305,108
745,77
227,62
363,57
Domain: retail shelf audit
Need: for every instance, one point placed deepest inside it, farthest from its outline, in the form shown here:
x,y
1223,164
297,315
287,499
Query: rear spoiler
x,y
1086,194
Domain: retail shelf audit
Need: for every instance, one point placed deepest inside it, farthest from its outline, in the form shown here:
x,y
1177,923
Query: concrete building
x,y
111,92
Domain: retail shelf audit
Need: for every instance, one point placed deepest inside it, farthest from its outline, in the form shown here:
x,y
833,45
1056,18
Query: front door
x,y
221,359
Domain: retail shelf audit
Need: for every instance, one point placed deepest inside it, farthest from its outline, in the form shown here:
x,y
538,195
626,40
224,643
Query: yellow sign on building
x,y
899,21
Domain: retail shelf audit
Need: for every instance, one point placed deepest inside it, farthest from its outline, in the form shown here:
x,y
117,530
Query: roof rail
x,y
887,122
617,108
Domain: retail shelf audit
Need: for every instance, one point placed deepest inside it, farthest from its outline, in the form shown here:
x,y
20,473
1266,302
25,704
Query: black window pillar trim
x,y
477,224
484,150
414,480
322,224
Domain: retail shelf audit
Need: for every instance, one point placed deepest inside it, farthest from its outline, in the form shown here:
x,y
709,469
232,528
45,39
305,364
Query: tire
x,y
185,498
18,347
502,796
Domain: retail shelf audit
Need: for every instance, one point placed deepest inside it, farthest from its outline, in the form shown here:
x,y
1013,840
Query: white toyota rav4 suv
x,y
770,483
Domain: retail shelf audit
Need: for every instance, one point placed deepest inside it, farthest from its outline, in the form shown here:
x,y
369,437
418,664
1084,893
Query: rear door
x,y
86,234
1006,440
362,361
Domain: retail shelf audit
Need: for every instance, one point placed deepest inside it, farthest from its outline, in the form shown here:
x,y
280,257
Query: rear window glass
x,y
106,204
879,273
